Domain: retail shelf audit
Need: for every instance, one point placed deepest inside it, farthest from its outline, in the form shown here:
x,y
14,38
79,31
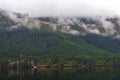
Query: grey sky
x,y
63,7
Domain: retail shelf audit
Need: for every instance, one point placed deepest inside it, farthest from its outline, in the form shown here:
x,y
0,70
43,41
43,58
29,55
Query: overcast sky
x,y
63,7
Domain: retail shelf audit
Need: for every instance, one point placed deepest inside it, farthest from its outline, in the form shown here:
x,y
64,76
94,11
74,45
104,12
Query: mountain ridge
x,y
58,38
105,26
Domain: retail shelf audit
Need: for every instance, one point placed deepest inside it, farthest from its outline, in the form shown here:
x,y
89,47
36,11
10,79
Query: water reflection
x,y
61,74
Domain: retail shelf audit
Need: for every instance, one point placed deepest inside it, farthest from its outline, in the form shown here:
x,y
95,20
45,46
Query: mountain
x,y
100,25
59,38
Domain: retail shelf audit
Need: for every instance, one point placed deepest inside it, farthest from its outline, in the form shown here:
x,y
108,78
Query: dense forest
x,y
54,48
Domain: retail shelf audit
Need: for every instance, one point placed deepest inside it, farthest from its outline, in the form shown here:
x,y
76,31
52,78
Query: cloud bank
x,y
63,7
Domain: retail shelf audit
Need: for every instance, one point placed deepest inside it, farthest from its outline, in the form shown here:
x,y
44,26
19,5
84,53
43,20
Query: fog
x,y
63,7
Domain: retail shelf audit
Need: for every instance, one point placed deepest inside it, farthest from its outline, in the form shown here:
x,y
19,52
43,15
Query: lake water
x,y
61,74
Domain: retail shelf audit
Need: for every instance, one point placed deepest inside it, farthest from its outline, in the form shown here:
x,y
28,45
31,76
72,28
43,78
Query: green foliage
x,y
49,47
106,43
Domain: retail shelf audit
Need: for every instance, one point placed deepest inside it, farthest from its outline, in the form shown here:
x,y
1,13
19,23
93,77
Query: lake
x,y
61,74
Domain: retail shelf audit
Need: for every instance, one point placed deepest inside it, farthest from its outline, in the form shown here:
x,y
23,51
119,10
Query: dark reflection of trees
x,y
19,74
61,74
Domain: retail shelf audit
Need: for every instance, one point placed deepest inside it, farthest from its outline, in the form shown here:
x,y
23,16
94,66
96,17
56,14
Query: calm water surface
x,y
61,74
